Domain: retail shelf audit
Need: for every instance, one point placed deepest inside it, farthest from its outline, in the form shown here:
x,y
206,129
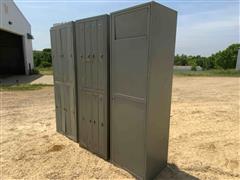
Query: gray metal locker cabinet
x,y
92,50
62,43
142,54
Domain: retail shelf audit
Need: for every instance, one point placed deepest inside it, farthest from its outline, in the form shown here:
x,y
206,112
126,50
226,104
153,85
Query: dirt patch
x,y
203,144
55,148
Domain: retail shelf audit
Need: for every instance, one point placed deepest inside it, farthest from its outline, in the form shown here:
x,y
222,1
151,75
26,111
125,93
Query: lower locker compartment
x,y
65,110
92,120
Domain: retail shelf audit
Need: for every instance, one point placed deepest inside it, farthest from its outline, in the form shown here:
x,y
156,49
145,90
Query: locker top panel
x,y
139,6
92,18
61,25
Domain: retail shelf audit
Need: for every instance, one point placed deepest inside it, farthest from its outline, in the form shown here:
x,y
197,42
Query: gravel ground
x,y
204,135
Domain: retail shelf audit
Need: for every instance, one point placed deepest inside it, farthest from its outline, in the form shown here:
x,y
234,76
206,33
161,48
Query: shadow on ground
x,y
19,79
24,79
172,172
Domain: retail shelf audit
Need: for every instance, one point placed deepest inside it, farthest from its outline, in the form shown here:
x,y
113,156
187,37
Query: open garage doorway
x,y
11,54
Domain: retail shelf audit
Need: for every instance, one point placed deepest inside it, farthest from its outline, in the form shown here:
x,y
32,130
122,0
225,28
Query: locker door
x,y
63,114
94,54
101,53
83,119
95,113
80,45
56,56
54,53
67,96
88,54
102,127
63,55
58,107
89,120
69,55
128,105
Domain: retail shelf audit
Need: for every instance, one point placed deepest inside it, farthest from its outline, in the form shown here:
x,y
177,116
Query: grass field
x,y
203,144
22,87
217,73
45,71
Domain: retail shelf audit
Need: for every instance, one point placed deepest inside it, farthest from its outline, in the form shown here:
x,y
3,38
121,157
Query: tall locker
x,y
93,84
142,54
62,43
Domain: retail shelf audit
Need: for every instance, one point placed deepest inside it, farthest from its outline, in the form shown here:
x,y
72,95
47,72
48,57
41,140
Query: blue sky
x,y
204,26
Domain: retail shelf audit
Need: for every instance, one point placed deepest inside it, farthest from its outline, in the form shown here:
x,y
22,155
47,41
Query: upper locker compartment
x,y
56,58
92,54
67,54
92,76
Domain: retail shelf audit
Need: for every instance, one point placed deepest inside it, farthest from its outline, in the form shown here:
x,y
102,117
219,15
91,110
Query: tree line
x,y
225,59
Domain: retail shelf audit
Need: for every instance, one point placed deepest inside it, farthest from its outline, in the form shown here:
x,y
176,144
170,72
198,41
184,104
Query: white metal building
x,y
15,40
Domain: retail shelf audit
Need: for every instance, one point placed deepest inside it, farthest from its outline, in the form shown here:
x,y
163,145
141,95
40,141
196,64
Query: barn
x,y
15,40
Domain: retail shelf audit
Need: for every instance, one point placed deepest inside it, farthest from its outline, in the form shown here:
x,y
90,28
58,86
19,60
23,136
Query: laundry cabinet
x,y
92,74
63,58
142,56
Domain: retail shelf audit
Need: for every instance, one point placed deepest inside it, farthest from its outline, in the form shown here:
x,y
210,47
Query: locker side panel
x,y
162,40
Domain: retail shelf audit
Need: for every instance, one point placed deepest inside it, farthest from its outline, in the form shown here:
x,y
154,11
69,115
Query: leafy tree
x,y
42,58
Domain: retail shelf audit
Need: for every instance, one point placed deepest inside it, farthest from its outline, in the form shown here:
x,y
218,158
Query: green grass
x,y
22,87
216,72
45,71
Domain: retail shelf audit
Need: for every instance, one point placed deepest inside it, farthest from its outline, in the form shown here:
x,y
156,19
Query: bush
x,y
42,58
194,68
35,71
